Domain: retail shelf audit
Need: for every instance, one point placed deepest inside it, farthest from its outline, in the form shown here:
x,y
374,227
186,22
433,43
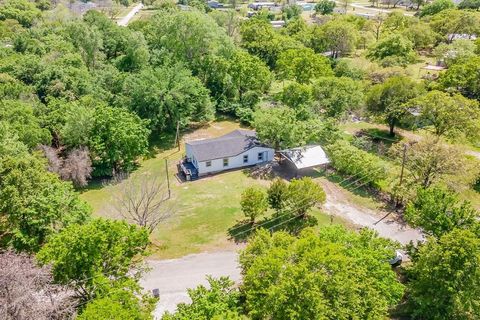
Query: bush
x,y
367,168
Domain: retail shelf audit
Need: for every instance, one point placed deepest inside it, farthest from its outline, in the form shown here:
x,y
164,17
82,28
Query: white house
x,y
237,149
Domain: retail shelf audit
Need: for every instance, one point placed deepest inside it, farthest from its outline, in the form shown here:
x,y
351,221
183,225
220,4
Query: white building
x,y
237,149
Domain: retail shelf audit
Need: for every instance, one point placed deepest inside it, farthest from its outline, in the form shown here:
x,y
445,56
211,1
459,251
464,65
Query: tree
x,y
445,278
75,167
339,36
144,200
435,7
469,4
463,77
296,95
117,138
22,120
34,203
337,96
290,12
122,301
329,275
167,95
389,99
260,39
448,115
325,7
302,195
302,65
438,211
395,47
9,143
27,291
189,37
220,301
457,51
277,194
452,22
254,203
85,256
23,11
278,127
430,161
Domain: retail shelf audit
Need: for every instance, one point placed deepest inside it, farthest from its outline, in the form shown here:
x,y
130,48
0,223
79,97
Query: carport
x,y
301,159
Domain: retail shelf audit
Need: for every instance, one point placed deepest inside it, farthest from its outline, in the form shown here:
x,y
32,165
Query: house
x,y
304,158
237,149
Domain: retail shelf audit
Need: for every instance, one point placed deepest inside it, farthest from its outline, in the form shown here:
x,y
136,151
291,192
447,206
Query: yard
x,y
204,209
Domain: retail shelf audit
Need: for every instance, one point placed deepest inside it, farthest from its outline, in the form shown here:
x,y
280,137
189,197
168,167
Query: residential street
x,y
173,277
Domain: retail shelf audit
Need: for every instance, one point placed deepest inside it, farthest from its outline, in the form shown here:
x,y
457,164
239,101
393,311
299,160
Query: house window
x,y
245,158
260,156
208,163
225,162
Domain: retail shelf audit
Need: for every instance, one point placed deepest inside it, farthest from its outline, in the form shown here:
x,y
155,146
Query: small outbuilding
x,y
237,149
303,158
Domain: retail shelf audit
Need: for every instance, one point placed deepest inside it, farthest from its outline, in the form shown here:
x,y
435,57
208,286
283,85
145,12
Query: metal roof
x,y
229,145
306,157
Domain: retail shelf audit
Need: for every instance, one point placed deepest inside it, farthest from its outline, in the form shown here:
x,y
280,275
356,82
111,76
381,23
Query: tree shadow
x,y
376,141
243,230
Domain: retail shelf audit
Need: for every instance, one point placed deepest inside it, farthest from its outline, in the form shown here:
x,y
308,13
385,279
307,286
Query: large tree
x,y
302,65
429,161
278,127
444,281
448,115
329,275
438,211
34,203
463,77
388,99
84,256
336,96
117,138
167,95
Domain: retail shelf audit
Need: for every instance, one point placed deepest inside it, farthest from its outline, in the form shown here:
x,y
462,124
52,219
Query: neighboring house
x,y
237,149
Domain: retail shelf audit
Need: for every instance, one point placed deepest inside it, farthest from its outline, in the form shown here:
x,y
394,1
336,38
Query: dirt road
x,y
126,19
386,225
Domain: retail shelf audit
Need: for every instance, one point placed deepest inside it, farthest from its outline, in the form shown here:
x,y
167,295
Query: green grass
x,y
205,209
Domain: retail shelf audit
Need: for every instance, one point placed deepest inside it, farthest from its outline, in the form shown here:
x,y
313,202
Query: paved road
x,y
126,19
173,277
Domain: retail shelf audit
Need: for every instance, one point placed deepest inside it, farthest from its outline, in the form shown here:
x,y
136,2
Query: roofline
x,y
236,154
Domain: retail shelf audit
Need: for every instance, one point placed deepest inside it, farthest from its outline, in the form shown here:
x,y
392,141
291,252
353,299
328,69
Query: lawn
x,y
205,209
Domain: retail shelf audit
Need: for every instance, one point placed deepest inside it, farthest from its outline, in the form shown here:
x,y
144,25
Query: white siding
x,y
190,155
236,161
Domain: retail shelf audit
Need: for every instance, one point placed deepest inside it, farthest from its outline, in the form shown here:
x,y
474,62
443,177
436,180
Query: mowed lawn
x,y
204,209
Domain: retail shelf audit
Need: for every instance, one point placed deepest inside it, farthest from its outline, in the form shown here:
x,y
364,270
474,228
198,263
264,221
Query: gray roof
x,y
229,145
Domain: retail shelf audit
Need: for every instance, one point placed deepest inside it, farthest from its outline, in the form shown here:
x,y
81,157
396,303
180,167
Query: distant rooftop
x,y
229,145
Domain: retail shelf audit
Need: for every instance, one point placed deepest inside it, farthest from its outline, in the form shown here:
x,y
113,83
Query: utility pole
x,y
403,162
404,157
177,136
168,178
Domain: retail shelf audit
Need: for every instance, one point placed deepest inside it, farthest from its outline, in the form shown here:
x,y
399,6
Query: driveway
x,y
173,277
126,19
385,224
